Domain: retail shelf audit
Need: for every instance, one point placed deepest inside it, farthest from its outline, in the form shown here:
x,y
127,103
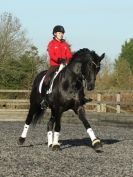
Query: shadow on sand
x,y
84,142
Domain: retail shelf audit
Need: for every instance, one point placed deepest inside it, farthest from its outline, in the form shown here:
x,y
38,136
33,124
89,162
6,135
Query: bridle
x,y
91,62
97,66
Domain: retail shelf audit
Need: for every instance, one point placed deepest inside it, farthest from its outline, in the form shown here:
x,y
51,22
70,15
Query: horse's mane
x,y
81,52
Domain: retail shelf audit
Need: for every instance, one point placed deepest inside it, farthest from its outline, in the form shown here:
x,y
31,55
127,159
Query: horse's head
x,y
90,65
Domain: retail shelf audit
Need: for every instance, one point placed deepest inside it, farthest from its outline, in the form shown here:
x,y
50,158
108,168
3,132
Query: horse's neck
x,y
75,68
71,71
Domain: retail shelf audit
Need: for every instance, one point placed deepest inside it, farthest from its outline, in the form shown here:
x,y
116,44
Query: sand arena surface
x,y
76,159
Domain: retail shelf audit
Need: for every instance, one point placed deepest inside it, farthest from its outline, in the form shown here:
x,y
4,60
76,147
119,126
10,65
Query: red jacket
x,y
58,49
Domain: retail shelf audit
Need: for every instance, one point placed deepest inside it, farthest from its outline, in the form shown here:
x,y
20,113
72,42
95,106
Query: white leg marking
x,y
50,138
25,130
56,138
91,134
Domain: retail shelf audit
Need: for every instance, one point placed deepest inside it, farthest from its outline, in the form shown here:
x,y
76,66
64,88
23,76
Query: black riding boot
x,y
44,103
48,76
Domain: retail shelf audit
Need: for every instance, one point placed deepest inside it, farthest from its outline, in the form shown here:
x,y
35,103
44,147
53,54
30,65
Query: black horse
x,y
67,93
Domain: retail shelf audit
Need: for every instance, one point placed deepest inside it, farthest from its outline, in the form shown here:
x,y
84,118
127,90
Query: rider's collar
x,y
62,40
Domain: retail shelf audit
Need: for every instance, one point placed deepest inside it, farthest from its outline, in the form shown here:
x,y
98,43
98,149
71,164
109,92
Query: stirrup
x,y
44,104
87,100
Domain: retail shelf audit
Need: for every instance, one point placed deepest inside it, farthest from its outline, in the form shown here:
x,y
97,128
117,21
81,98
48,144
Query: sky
x,y
100,25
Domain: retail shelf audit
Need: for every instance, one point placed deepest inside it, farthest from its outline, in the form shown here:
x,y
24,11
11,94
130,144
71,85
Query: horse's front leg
x,y
96,143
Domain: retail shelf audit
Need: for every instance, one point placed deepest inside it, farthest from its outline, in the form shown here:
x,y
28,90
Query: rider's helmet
x,y
58,28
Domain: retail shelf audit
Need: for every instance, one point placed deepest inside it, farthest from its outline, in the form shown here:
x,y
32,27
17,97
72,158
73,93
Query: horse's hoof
x,y
56,147
97,145
50,146
21,141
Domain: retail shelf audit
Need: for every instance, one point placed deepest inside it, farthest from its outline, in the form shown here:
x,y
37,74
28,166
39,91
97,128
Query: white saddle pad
x,y
40,85
51,86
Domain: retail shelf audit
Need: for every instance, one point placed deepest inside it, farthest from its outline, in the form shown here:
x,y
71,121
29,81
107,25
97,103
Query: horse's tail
x,y
38,116
35,106
35,99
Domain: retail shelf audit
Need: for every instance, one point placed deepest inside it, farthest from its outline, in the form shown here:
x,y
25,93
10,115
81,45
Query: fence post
x,y
98,102
118,99
103,107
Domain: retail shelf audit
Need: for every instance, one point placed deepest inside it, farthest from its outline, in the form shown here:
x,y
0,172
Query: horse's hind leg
x,y
56,144
54,138
50,128
32,111
96,143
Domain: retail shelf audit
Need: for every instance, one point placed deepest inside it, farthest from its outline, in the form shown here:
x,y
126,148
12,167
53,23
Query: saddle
x,y
55,75
50,77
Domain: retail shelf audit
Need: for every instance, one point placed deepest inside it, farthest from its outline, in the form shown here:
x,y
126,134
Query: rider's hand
x,y
62,61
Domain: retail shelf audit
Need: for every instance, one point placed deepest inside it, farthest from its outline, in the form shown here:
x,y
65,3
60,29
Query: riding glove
x,y
62,61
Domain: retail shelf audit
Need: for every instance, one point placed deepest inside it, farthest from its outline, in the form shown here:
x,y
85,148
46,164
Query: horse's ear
x,y
102,56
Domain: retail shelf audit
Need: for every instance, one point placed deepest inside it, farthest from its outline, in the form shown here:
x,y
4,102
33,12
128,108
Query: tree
x,y
122,74
19,73
104,79
127,53
43,63
13,41
18,58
